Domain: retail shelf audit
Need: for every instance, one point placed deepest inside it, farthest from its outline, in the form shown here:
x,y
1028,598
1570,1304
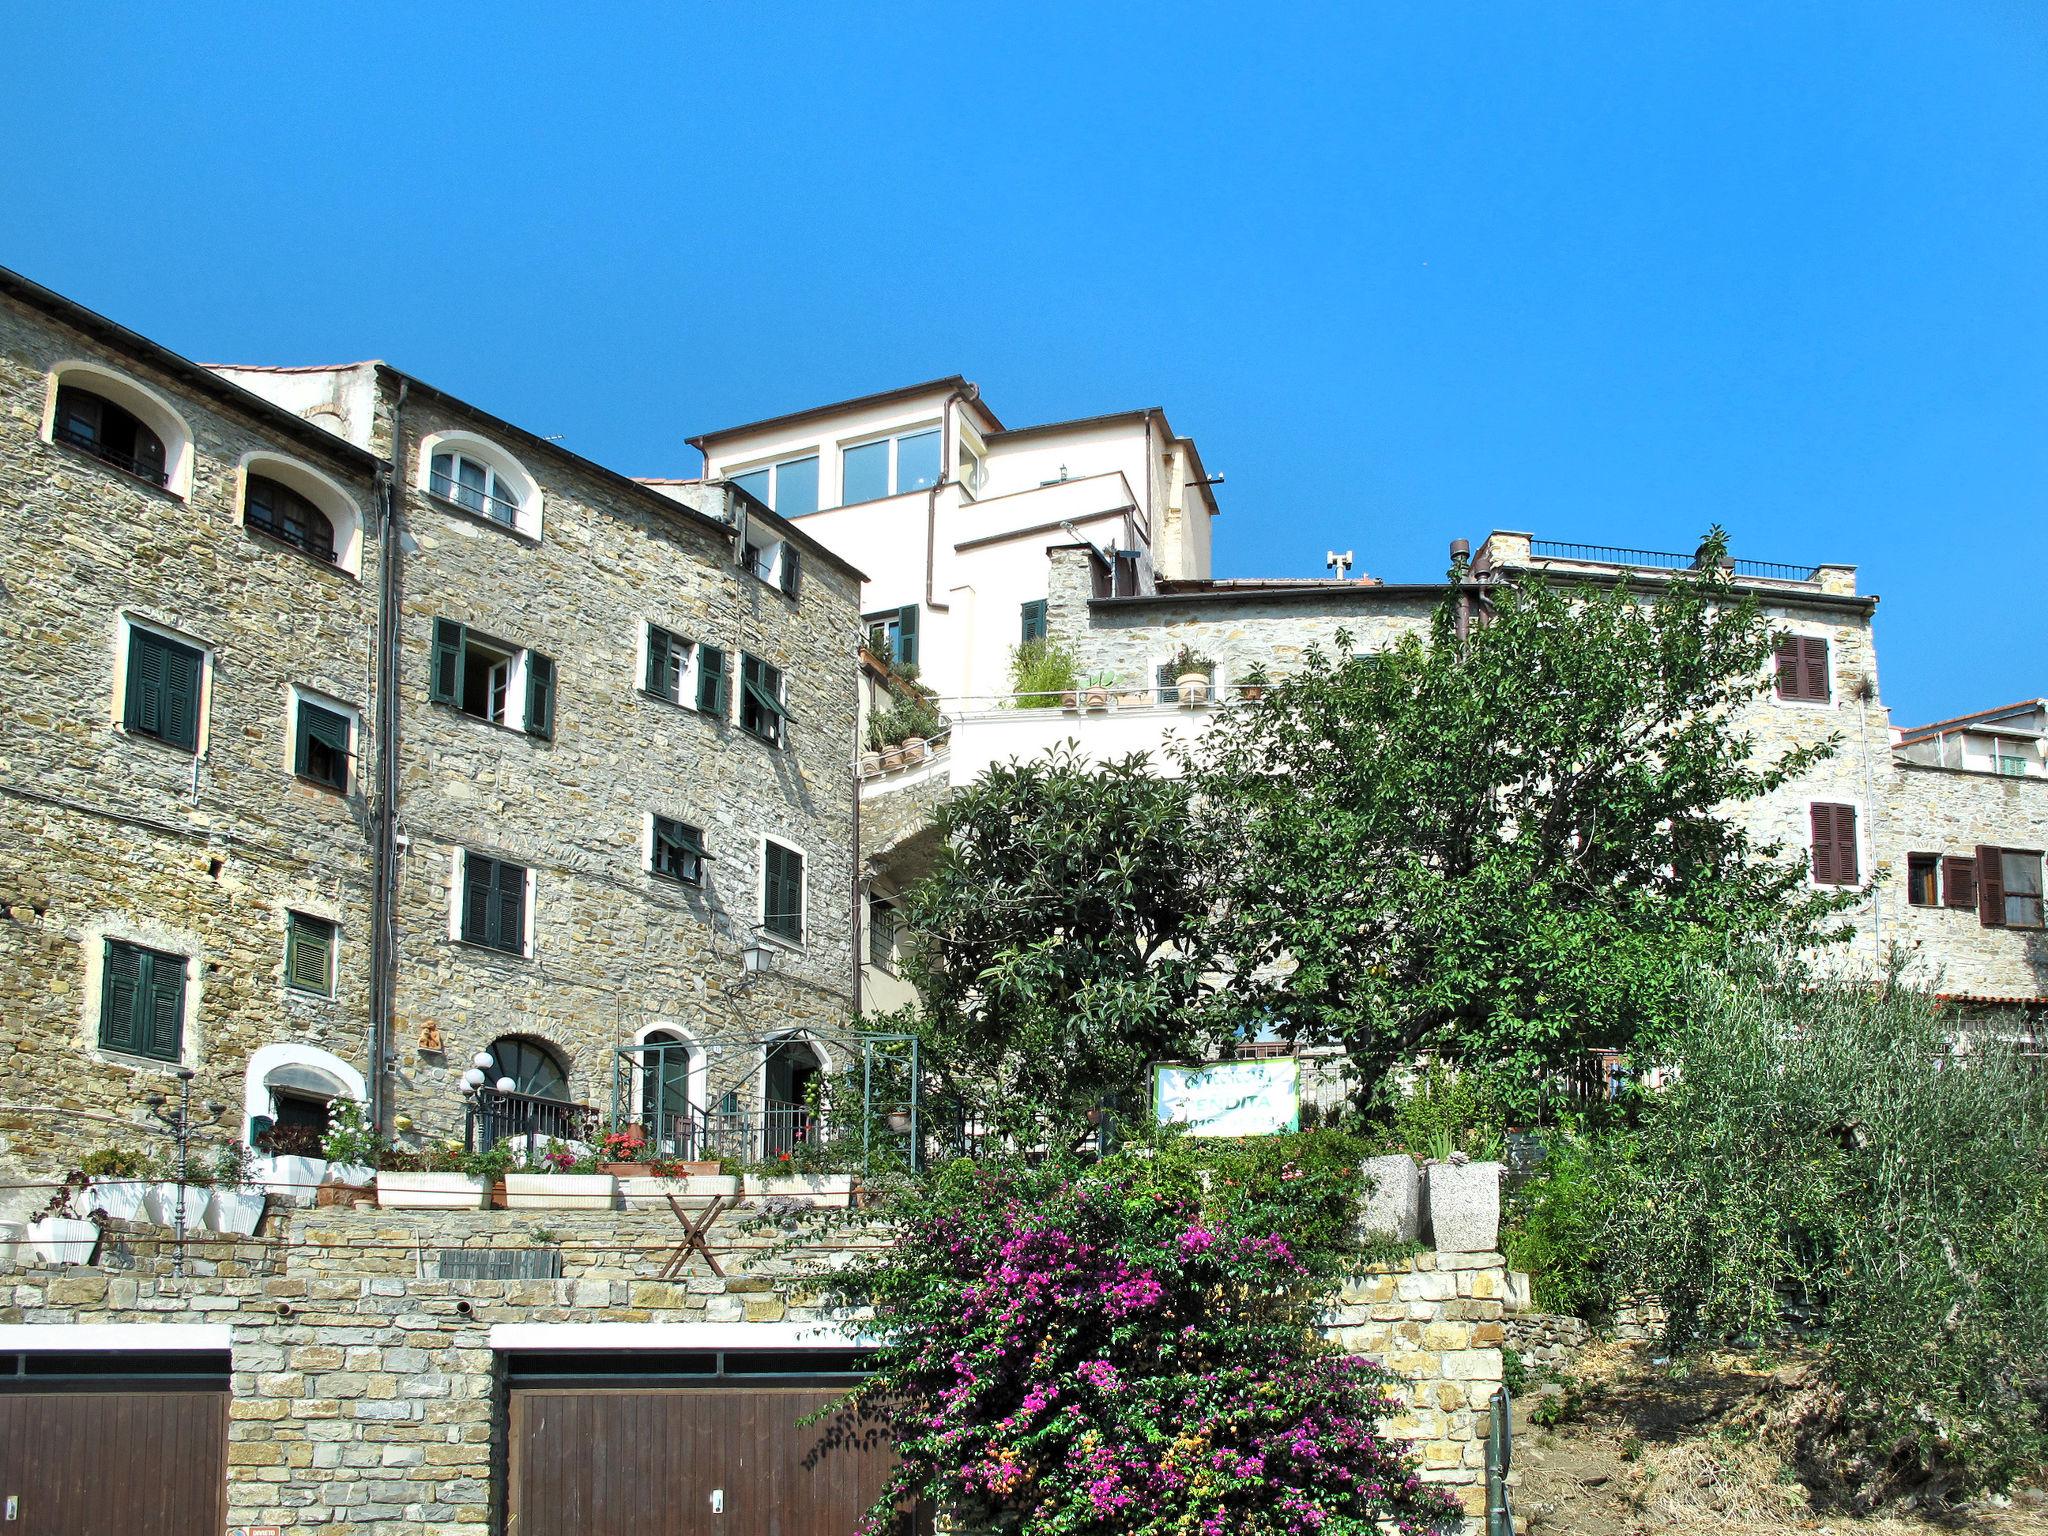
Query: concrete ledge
x,y
506,1337
29,1337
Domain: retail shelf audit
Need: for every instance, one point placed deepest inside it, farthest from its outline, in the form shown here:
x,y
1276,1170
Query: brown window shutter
x,y
1990,887
1815,657
1823,843
1846,870
1959,883
1788,667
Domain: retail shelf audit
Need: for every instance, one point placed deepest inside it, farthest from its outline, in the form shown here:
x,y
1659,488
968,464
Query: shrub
x,y
1441,1110
1107,1352
350,1138
914,715
1552,1226
1825,1155
1040,672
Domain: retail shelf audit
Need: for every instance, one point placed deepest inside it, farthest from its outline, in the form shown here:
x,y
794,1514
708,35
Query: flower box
x,y
405,1191
61,1240
123,1199
695,1186
819,1188
561,1191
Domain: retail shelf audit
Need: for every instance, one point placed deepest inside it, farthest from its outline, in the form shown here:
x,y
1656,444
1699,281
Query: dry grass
x,y
1722,1449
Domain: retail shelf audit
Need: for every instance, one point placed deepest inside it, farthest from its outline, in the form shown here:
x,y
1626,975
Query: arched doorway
x,y
671,1093
526,1093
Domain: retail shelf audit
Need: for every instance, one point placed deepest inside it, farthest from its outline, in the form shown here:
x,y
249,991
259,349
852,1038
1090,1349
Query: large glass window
x,y
283,513
864,473
890,467
917,461
2022,873
107,431
789,487
472,484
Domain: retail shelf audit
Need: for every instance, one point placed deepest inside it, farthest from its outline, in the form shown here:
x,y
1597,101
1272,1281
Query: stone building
x,y
468,748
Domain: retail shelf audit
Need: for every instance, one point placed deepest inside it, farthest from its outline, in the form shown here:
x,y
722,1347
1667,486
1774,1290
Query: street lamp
x,y
180,1122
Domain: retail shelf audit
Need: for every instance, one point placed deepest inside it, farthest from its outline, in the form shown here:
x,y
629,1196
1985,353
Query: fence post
x,y
1500,1520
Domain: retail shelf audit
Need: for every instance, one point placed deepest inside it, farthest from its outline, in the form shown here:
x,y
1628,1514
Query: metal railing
x,y
1500,1454
494,1116
315,543
1665,560
468,497
142,469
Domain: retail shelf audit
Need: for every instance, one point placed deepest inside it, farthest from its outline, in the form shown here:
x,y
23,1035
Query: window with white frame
x,y
775,561
482,479
675,850
970,466
889,466
508,685
162,686
323,740
125,426
788,486
683,671
764,708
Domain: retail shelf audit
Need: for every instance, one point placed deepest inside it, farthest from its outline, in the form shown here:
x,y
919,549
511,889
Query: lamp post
x,y
180,1122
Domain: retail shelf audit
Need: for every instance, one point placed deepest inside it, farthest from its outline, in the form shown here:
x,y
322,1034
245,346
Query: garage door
x,y
92,1444
688,1446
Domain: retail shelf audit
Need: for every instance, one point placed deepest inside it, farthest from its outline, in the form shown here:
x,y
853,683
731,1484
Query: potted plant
x,y
1042,675
667,1176
568,1178
117,1183
1192,672
622,1153
1095,692
870,764
443,1178
350,1148
237,1201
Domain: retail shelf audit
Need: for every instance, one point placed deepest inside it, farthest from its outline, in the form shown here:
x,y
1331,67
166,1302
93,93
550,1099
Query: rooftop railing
x,y
1665,560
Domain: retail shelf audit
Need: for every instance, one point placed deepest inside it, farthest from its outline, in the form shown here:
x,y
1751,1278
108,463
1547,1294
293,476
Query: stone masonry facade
x,y
202,855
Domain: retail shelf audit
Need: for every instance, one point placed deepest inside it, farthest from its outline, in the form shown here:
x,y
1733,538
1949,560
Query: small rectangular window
x,y
881,932
762,711
678,851
782,897
1923,879
893,635
164,678
494,903
2021,874
142,1001
668,661
864,473
309,953
321,753
493,681
1034,626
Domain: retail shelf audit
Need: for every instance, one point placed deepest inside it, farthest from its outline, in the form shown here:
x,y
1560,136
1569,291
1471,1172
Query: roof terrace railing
x,y
1665,560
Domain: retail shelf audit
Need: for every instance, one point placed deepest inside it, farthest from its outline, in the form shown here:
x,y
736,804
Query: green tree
x,y
1505,840
1061,944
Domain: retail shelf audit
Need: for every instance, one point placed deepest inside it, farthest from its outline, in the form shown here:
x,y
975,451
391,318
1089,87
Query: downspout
x,y
384,925
931,501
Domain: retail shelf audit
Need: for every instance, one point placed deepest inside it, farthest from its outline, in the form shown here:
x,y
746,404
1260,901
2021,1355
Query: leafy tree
x,y
1111,1351
1061,943
1504,841
1834,1144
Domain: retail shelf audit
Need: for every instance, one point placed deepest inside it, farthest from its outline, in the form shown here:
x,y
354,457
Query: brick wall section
x,y
104,833
366,1400
616,950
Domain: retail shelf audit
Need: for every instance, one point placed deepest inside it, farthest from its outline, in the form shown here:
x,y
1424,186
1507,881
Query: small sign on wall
x,y
1230,1098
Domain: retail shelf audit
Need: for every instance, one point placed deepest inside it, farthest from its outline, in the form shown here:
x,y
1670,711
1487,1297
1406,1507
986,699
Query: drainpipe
x,y
383,901
931,501
1461,567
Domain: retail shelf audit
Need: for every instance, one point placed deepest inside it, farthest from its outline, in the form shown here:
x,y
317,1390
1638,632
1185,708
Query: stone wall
x,y
1546,1338
367,1399
108,834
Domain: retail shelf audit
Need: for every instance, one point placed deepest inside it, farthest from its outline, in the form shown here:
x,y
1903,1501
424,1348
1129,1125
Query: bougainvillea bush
x,y
1129,1348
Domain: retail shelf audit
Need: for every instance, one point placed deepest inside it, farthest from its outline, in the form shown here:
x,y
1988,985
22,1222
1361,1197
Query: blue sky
x,y
1607,273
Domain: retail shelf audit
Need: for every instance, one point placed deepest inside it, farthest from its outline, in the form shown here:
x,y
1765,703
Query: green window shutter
x,y
166,1010
791,567
445,675
906,635
163,689
678,851
182,666
478,873
664,664
540,695
508,907
711,680
120,995
143,710
322,751
1034,620
783,876
309,954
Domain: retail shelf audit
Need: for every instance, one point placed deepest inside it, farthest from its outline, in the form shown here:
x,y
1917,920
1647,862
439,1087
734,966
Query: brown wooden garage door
x,y
633,1460
94,1460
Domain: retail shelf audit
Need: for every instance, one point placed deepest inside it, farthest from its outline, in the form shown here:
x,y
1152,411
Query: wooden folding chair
x,y
696,1231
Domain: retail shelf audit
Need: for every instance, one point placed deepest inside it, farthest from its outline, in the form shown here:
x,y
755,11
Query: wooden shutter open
x,y
1847,868
711,680
1814,669
1990,886
445,674
120,987
906,634
1787,657
1822,819
1959,882
540,695
1034,624
791,566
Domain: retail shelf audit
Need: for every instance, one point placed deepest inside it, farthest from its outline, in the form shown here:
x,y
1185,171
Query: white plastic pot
x,y
560,1191
238,1211
432,1191
62,1240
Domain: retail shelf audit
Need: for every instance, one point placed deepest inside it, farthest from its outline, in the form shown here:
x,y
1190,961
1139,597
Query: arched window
x,y
110,432
534,1069
281,512
482,479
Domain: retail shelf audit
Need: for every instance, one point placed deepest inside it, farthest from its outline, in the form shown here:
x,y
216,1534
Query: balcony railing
x,y
1665,560
142,469
495,1116
468,497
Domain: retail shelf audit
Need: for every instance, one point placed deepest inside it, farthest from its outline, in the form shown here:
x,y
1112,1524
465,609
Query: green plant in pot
x,y
1096,690
1192,674
1042,676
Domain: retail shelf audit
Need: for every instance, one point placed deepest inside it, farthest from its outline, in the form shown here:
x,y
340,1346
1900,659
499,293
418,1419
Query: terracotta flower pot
x,y
1070,701
1193,688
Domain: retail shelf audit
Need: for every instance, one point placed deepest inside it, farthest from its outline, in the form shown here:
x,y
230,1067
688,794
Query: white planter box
x,y
14,1244
160,1205
237,1211
293,1177
1461,1203
818,1188
560,1191
61,1240
697,1186
432,1192
122,1199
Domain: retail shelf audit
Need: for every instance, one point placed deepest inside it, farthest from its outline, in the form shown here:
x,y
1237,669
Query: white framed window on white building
x,y
889,466
788,486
